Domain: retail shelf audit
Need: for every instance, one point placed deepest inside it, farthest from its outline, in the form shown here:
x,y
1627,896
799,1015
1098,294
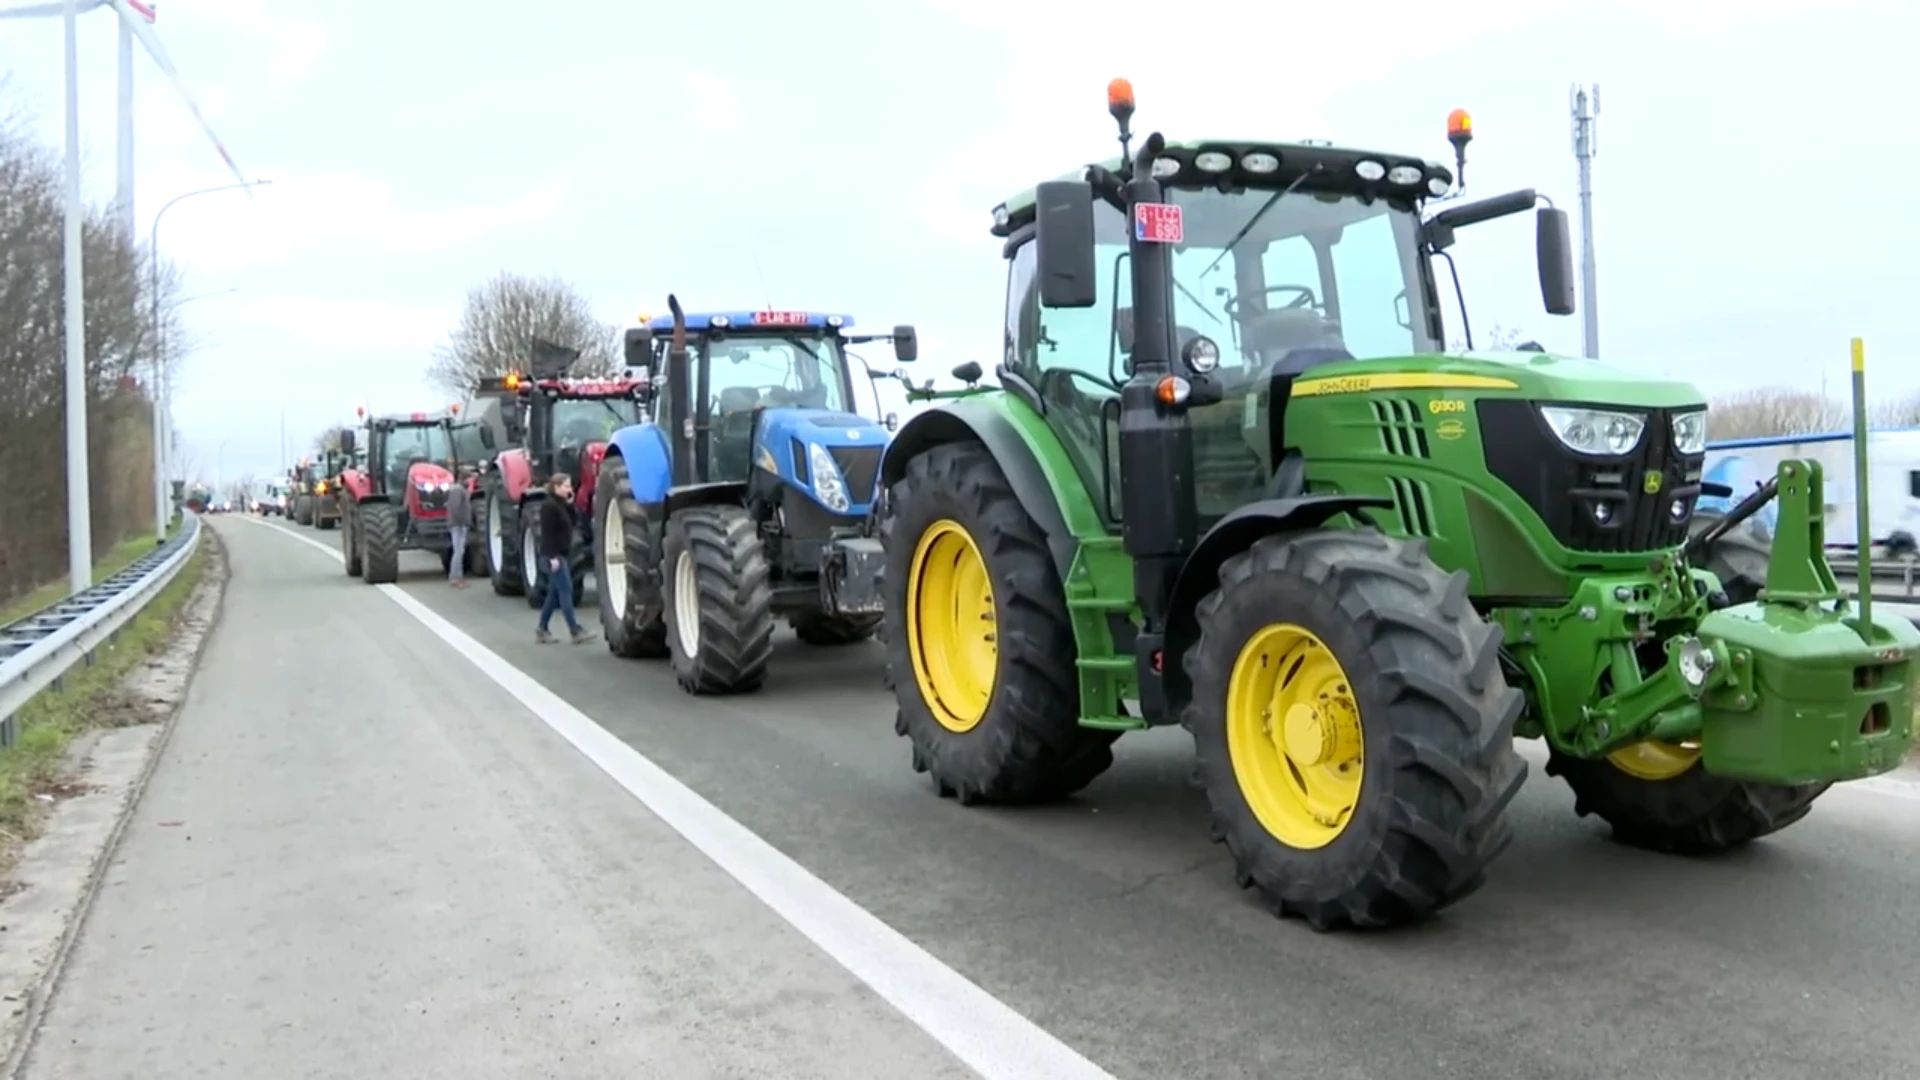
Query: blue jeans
x,y
457,569
559,597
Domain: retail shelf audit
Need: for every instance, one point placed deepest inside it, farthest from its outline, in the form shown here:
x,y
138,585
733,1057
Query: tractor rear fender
x,y
372,497
516,474
1011,446
649,461
1232,535
723,493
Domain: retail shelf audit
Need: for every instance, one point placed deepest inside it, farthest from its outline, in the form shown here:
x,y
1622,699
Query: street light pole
x,y
163,401
79,498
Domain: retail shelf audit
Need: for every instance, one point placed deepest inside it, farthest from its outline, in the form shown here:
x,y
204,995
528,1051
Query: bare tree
x,y
1766,411
502,318
329,439
120,357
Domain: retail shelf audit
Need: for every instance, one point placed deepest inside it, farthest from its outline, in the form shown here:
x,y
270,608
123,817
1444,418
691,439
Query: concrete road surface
x,y
1110,924
358,859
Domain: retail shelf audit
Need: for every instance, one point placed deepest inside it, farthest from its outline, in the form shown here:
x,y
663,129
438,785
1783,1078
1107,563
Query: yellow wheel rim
x,y
1655,761
1294,736
951,627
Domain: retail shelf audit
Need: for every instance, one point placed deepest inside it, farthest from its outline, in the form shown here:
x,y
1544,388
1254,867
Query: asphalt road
x,y
356,860
1113,923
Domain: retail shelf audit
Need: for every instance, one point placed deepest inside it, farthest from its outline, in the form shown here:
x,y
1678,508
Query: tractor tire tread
x,y
1030,747
1425,663
735,584
380,535
637,633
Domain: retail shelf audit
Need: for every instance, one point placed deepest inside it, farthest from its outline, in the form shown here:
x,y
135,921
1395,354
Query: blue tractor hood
x,y
854,443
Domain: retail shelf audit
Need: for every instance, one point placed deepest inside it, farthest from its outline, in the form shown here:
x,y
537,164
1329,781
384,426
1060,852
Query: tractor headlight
x,y
1690,432
1601,432
827,481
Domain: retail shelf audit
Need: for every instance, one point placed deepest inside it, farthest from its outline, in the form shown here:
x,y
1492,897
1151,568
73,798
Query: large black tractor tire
x,y
380,543
1008,731
1352,727
533,568
303,511
716,574
815,628
1658,796
446,561
350,540
633,619
503,539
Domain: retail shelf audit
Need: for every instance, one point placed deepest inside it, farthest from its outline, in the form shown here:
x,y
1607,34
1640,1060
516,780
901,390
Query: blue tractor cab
x,y
746,496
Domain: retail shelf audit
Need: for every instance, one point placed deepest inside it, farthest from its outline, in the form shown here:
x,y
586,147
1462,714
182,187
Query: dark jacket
x,y
556,529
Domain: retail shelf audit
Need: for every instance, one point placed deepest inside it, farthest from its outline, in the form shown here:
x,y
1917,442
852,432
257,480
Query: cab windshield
x,y
1270,276
790,371
417,442
579,421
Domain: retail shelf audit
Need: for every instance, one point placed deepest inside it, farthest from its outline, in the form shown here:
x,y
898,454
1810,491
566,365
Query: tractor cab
x,y
759,391
564,423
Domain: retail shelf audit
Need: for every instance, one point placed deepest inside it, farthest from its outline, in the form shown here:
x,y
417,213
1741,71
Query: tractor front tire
x,y
1352,727
503,557
1657,796
380,543
640,630
350,540
719,600
815,628
980,652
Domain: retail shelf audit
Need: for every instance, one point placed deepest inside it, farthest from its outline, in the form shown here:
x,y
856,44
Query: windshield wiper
x,y
1255,220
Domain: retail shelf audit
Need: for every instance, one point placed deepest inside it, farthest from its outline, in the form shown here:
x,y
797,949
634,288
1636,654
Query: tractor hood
x,y
427,487
1531,375
833,456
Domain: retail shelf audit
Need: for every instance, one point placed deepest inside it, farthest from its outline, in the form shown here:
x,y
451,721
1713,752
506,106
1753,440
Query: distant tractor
x,y
301,478
326,488
397,499
1230,479
552,424
745,498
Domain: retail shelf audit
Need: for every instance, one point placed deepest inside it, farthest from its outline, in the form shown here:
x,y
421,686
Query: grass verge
x,y
119,558
90,698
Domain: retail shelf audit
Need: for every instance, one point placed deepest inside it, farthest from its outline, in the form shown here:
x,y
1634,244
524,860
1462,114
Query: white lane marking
x,y
978,1028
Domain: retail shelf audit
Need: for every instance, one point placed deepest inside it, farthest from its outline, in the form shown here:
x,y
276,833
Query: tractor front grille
x,y
1647,494
861,467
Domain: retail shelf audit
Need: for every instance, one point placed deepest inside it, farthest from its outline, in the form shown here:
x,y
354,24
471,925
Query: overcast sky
x,y
1749,156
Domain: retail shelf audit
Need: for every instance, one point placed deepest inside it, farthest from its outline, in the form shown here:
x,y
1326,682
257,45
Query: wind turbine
x,y
79,500
136,16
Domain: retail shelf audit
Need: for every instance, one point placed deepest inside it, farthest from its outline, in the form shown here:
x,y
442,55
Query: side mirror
x,y
891,421
346,441
1553,246
486,436
906,344
1063,214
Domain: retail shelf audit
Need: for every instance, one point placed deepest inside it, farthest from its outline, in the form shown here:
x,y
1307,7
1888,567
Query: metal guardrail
x,y
37,651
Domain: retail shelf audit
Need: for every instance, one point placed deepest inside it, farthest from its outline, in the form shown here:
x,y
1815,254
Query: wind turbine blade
x,y
151,42
34,11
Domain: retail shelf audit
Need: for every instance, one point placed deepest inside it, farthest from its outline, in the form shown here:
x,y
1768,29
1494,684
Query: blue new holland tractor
x,y
745,497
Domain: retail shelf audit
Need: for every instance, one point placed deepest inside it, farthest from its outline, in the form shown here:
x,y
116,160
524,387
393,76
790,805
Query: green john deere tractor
x,y
1228,479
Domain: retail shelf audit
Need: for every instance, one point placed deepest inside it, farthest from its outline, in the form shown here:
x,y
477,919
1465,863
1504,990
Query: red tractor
x,y
396,500
552,424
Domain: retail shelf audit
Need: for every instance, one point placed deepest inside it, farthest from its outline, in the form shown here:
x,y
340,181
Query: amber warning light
x,y
1459,127
1120,95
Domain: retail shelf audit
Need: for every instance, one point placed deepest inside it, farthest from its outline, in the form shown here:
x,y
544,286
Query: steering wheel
x,y
1305,299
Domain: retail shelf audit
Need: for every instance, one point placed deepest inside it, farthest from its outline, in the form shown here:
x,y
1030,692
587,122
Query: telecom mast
x,y
1585,104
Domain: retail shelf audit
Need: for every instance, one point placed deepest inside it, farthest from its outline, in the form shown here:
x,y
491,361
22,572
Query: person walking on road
x,y
459,523
556,550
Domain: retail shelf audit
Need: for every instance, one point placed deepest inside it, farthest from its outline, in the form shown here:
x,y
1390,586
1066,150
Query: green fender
x,y
1037,466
